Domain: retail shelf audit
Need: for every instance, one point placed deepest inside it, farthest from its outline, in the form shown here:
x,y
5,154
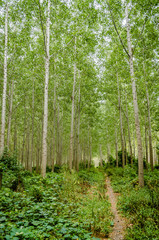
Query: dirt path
x,y
119,222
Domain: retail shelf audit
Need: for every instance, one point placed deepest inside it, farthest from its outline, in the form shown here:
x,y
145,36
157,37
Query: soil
x,y
119,221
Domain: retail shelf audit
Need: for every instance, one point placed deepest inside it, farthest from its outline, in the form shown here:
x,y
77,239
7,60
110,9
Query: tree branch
x,y
41,22
146,18
117,29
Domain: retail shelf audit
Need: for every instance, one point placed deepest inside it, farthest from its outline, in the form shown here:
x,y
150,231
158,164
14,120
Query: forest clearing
x,y
79,110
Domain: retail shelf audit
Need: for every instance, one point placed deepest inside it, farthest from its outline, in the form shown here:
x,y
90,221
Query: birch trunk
x,y
58,138
125,147
15,134
75,143
4,84
116,148
149,121
32,137
28,147
38,152
129,134
121,124
45,117
146,143
72,113
149,129
24,134
78,130
54,127
10,113
134,144
90,148
136,111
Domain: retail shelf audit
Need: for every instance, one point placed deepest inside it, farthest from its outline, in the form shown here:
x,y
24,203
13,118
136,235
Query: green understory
x,y
139,205
61,206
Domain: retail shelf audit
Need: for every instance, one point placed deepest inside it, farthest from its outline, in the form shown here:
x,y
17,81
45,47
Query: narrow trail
x,y
119,221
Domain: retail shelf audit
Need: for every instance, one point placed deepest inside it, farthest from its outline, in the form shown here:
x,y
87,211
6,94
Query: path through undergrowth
x,y
119,221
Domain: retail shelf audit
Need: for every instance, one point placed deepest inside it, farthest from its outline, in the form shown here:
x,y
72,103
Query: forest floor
x,y
119,221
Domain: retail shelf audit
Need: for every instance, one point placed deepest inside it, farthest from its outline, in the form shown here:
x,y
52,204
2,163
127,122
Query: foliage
x,y
61,206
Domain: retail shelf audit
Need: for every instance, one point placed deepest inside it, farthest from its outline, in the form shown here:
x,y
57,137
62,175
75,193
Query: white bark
x,y
149,121
10,113
136,111
146,142
31,163
72,113
121,124
45,117
129,134
149,128
116,147
4,84
54,123
78,130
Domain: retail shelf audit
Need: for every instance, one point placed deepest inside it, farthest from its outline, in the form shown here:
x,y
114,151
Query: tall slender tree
x,y
45,117
72,112
135,102
4,83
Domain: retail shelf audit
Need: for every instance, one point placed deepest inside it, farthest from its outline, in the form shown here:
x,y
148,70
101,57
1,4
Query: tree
x,y
45,118
4,83
136,111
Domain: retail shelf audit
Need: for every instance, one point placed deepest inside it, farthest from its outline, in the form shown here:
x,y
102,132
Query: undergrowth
x,y
61,206
140,205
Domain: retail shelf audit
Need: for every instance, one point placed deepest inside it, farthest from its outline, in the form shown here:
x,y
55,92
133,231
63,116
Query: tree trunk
x,y
88,149
90,156
146,142
116,148
38,152
54,126
84,154
45,117
32,137
125,148
78,131
10,113
24,133
4,84
136,111
72,113
129,134
58,138
100,152
15,134
134,143
149,128
75,143
121,124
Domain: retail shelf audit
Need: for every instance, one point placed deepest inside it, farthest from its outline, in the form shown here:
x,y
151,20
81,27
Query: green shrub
x,y
141,205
